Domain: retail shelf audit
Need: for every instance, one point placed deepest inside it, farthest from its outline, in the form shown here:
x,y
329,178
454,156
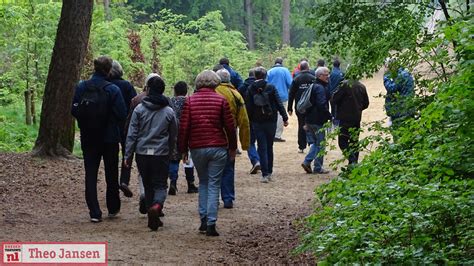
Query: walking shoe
x,y
270,177
126,191
154,217
203,226
113,214
279,140
238,152
142,206
211,230
96,220
192,188
228,204
173,188
300,150
255,168
322,171
264,179
307,168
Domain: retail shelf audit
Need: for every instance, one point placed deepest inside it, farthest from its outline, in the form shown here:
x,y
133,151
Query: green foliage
x,y
410,201
15,136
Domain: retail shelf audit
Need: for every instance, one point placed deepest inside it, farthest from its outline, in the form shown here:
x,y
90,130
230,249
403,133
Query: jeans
x,y
348,142
92,156
227,184
154,172
252,150
315,136
280,126
174,168
209,163
301,132
265,133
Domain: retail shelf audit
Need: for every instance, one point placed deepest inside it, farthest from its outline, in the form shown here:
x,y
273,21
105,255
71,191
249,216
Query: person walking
x,y
263,103
177,103
335,78
301,83
241,120
315,117
128,93
207,129
99,108
152,136
350,99
280,77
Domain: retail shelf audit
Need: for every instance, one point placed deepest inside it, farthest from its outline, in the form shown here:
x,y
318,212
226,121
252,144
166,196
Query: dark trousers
x,y
92,157
124,171
154,172
265,134
348,140
227,182
301,132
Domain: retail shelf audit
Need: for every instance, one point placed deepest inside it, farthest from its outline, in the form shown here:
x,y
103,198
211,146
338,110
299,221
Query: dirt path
x,y
44,201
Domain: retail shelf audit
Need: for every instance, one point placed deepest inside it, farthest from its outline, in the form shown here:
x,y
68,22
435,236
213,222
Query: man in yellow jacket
x,y
241,119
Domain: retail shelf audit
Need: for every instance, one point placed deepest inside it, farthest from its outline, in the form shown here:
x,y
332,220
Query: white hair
x,y
224,75
321,70
151,75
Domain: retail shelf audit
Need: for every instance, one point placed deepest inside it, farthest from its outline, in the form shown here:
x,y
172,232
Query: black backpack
x,y
263,108
94,107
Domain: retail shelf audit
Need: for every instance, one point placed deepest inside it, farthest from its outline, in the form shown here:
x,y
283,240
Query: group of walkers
x,y
202,130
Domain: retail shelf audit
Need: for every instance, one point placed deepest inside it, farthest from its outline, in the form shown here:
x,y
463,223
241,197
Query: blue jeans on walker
x,y
315,136
252,150
209,163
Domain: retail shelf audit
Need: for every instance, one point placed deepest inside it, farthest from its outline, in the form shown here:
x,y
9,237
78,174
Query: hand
x,y
185,157
285,123
290,113
305,127
127,163
232,154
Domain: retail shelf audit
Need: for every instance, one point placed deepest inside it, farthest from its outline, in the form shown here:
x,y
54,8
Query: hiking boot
x,y
322,171
203,227
211,230
228,204
96,220
307,168
270,177
300,150
113,214
173,188
192,188
142,206
264,179
255,168
126,191
154,217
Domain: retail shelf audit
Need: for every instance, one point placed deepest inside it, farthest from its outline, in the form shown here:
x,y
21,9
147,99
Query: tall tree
x,y
56,132
249,23
285,18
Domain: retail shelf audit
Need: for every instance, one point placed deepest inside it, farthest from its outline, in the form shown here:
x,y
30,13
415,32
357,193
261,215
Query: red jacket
x,y
206,121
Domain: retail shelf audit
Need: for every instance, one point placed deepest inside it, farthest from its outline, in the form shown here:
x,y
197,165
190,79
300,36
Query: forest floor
x,y
43,200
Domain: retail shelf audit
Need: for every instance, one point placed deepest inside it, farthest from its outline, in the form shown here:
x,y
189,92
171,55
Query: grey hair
x,y
321,70
116,71
224,75
207,79
151,75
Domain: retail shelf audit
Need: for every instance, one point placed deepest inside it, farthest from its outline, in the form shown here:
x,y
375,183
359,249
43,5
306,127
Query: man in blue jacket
x,y
280,77
335,79
315,117
235,78
99,108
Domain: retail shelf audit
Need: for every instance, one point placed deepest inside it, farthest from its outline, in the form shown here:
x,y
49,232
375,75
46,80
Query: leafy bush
x,y
15,135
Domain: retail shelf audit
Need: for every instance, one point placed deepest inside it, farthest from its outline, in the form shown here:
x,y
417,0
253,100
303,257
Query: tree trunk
x,y
249,23
108,16
56,132
285,13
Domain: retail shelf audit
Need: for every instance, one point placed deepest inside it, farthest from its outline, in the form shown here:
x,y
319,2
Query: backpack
x,y
94,107
261,100
305,101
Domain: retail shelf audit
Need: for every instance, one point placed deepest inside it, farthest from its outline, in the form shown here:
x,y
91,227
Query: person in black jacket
x,y
302,81
263,105
350,100
315,117
103,142
128,92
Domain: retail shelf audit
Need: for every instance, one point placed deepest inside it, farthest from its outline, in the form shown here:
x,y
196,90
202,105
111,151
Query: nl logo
x,y
53,253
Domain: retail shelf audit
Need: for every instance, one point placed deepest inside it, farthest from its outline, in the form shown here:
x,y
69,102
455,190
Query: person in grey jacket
x,y
152,136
